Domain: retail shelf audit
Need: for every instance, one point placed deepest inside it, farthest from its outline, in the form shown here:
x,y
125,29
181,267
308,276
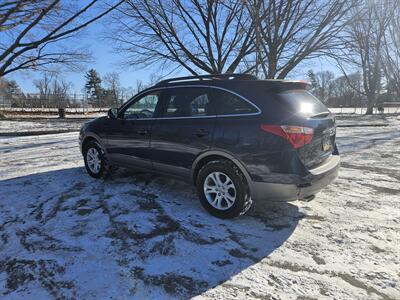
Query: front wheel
x,y
223,190
95,160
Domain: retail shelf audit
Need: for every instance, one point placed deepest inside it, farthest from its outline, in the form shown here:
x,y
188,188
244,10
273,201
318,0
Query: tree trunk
x,y
370,105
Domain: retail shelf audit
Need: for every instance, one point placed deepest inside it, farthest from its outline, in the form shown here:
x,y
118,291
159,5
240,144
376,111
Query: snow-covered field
x,y
64,235
361,110
7,127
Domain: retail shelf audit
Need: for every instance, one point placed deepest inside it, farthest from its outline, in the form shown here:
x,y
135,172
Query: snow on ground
x,y
394,109
65,235
38,125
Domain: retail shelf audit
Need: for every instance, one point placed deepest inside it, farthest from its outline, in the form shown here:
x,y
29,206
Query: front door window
x,y
144,108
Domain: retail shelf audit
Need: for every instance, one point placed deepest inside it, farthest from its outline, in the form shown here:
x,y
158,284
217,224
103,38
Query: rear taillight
x,y
298,136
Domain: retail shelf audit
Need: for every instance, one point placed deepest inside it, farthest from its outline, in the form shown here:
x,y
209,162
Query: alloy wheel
x,y
93,160
220,191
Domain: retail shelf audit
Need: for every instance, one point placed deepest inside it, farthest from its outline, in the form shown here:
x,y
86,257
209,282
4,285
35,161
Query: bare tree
x,y
345,90
61,92
33,33
43,85
322,84
113,91
365,45
139,86
391,53
53,91
293,31
112,82
211,36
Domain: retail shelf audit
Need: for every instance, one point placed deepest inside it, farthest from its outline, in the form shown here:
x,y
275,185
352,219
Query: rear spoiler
x,y
285,85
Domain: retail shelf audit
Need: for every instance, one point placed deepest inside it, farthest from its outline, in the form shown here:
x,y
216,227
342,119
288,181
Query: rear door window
x,y
229,104
304,103
188,102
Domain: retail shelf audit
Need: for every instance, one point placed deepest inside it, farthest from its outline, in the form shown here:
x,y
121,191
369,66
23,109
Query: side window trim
x,y
161,102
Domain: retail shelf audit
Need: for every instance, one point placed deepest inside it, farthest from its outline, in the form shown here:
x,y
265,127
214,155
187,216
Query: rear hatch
x,y
306,110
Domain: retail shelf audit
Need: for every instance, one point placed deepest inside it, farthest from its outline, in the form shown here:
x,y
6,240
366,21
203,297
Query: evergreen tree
x,y
93,87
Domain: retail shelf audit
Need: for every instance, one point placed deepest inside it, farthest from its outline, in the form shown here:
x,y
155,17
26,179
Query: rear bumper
x,y
301,188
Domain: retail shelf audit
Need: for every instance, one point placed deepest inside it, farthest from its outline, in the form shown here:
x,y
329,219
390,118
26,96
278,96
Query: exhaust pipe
x,y
308,198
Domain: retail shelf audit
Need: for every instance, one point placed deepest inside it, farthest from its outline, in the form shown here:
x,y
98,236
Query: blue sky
x,y
105,60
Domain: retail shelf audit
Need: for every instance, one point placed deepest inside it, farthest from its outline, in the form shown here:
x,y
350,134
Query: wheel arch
x,y
91,137
208,156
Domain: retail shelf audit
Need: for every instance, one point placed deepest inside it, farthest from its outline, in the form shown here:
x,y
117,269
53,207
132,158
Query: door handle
x,y
201,132
142,131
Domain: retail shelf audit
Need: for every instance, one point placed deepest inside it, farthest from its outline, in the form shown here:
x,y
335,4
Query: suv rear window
x,y
303,102
230,104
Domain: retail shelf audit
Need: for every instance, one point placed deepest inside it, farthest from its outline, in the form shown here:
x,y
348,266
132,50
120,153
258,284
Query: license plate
x,y
326,144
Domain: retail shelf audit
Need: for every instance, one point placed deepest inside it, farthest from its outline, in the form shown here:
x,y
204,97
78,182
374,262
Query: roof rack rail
x,y
234,76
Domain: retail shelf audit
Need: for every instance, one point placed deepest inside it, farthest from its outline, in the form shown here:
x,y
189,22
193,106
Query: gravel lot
x,y
64,235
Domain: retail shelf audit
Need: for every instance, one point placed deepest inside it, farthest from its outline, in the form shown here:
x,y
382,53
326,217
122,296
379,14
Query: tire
x,y
223,190
95,169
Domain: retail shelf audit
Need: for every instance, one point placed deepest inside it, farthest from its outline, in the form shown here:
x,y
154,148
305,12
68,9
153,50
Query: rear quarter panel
x,y
264,156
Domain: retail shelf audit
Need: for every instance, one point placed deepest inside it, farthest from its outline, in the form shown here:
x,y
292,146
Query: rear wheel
x,y
223,190
95,159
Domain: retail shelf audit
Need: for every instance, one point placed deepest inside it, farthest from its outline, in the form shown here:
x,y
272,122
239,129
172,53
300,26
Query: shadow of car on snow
x,y
147,235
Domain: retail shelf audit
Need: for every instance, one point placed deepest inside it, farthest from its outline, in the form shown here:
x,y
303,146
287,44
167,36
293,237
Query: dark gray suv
x,y
237,138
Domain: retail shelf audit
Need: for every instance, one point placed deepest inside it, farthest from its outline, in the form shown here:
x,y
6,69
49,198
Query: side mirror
x,y
112,113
